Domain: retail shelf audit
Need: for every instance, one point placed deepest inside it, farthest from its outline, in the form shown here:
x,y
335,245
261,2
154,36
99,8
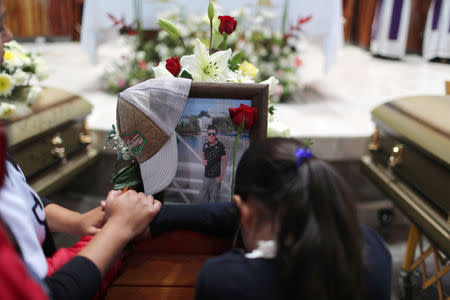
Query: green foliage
x,y
236,61
128,176
272,110
186,74
308,142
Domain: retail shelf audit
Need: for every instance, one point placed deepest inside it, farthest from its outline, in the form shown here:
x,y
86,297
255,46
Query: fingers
x,y
156,206
113,194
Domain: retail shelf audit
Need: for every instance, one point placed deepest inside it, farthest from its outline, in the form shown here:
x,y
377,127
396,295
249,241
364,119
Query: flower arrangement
x,y
259,51
20,75
212,60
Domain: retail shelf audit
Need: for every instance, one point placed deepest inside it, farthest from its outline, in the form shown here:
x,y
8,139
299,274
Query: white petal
x,y
201,53
221,58
272,82
278,129
161,71
191,64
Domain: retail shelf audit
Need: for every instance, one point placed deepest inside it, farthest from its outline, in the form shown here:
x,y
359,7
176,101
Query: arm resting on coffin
x,y
61,219
127,215
210,218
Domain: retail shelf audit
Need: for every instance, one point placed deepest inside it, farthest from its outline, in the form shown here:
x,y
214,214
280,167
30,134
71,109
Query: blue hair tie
x,y
302,155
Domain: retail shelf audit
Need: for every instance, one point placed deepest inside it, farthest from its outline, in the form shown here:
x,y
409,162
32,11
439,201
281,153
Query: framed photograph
x,y
206,139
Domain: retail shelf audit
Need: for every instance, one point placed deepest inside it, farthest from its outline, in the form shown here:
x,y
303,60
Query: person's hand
x,y
205,163
91,222
132,212
219,180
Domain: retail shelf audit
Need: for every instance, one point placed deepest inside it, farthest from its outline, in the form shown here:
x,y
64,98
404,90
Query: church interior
x,y
346,72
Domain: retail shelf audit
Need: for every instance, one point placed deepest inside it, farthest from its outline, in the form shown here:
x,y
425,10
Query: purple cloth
x,y
395,19
436,14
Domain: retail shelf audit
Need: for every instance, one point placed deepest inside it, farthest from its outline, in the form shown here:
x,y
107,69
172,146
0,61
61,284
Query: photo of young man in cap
x,y
215,161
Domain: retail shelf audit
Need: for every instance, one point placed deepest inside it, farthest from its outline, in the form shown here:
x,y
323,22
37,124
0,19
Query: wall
x,y
47,18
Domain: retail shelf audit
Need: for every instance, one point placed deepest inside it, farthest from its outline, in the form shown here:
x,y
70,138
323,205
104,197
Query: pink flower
x,y
278,91
121,83
276,50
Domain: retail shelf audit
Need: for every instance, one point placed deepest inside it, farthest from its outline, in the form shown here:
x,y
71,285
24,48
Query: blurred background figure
x,y
390,28
436,41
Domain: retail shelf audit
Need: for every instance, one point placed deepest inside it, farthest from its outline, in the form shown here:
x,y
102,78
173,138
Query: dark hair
x,y
319,239
212,127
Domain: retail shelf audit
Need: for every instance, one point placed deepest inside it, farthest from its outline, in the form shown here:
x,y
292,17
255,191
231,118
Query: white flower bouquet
x,y
259,51
20,75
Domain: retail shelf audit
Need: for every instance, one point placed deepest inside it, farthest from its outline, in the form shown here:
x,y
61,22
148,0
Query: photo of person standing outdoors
x,y
215,161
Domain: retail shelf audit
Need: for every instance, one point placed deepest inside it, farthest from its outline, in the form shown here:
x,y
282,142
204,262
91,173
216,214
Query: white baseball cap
x,y
147,115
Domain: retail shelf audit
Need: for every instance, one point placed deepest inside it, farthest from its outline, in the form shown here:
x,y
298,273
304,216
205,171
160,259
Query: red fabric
x,y
2,155
63,255
15,283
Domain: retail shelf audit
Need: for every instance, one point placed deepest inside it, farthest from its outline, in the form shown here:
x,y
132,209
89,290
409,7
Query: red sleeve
x,y
15,283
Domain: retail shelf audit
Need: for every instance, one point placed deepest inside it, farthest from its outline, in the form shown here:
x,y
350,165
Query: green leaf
x,y
185,74
308,142
111,133
128,176
272,110
217,37
236,61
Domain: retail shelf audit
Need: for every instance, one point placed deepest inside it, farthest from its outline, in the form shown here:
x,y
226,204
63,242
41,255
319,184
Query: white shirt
x,y
23,211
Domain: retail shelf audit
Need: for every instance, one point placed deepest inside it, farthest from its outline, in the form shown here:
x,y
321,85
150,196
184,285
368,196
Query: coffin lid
x,y
53,108
422,120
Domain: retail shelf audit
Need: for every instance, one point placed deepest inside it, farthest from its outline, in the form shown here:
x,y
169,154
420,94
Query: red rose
x,y
244,112
173,65
227,24
142,64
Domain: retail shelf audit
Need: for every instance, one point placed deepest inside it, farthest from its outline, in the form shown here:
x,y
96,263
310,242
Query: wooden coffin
x,y
409,157
50,141
165,267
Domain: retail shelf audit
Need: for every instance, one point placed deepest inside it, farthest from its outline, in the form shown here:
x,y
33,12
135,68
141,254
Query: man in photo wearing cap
x,y
213,155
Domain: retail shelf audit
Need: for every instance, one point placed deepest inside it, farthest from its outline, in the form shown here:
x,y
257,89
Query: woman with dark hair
x,y
299,226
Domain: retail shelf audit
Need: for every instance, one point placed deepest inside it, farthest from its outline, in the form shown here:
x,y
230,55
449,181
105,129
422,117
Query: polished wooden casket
x,y
50,140
409,158
165,267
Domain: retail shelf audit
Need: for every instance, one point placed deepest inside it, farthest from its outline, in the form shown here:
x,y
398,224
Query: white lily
x,y
161,70
205,67
272,82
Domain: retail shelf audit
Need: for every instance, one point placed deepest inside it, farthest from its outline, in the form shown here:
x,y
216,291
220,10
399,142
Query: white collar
x,y
265,249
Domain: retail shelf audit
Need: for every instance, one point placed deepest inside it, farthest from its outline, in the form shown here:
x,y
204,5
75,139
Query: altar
x,y
325,28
